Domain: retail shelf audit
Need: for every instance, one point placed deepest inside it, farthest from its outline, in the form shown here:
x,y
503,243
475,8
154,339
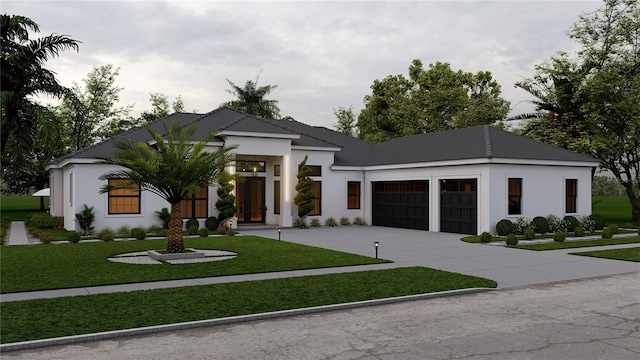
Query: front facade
x,y
461,181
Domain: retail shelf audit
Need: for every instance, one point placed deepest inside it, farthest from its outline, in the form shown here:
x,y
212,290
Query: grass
x,y
17,207
579,244
46,318
614,209
627,254
44,267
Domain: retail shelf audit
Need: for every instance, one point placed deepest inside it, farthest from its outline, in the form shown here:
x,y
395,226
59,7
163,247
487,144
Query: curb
x,y
107,335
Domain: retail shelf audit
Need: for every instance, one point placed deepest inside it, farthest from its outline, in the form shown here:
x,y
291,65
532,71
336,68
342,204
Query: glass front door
x,y
250,200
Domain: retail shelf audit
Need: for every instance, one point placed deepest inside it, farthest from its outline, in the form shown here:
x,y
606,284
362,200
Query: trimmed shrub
x,y
105,234
485,237
344,221
139,233
520,226
331,222
315,222
73,237
571,221
192,230
540,225
512,240
211,223
529,234
614,228
598,221
606,233
204,232
555,223
301,223
578,231
559,236
504,227
358,221
44,221
46,237
193,222
587,223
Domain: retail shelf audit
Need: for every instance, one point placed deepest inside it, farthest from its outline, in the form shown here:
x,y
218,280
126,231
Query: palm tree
x,y
23,75
250,99
172,168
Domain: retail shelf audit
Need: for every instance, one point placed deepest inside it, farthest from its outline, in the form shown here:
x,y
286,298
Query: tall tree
x,y
346,123
173,168
161,107
433,99
251,99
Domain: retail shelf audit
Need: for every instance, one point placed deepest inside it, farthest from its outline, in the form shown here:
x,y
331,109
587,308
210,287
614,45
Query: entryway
x,y
250,200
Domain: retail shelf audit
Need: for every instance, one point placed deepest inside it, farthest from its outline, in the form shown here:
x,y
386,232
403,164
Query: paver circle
x,y
142,258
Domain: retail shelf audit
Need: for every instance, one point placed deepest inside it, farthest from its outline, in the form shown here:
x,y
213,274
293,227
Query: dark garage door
x,y
401,204
459,206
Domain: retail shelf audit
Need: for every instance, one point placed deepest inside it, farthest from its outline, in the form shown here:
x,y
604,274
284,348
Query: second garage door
x,y
402,204
459,206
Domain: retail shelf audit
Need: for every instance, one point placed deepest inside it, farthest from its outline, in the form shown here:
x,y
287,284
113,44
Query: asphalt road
x,y
596,318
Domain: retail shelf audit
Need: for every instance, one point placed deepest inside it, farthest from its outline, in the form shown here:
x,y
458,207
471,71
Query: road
x,y
596,318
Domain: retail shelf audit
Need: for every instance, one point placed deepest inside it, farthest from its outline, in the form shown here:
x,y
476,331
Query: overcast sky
x,y
320,54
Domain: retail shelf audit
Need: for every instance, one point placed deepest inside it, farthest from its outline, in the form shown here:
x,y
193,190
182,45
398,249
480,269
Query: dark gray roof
x,y
462,144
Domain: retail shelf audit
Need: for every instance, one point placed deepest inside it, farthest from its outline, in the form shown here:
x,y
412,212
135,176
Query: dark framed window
x,y
514,200
196,205
317,201
123,201
571,195
250,166
276,170
316,170
353,194
276,197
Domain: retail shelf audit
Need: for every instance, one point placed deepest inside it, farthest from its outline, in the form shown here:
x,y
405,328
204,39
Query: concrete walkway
x,y
509,267
18,234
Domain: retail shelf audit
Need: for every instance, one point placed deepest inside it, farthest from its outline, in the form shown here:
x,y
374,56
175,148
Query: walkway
x,y
18,234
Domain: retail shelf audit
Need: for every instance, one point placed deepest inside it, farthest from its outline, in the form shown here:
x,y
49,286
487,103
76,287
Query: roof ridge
x,y
487,142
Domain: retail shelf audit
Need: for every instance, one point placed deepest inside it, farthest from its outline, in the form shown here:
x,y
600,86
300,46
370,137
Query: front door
x,y
250,200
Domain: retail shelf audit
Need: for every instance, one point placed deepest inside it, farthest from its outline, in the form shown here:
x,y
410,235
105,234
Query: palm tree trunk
x,y
175,240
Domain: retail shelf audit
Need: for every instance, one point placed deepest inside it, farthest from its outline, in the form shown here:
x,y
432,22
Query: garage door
x,y
402,204
459,206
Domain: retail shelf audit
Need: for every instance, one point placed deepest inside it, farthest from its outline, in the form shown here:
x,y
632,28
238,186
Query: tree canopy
x,y
251,99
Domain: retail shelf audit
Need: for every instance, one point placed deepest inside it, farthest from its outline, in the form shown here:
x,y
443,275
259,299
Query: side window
x,y
514,201
353,195
571,192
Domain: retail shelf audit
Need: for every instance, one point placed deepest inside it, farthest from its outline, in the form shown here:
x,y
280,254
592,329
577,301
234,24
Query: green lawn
x,y
579,244
628,254
58,266
47,318
17,207
614,209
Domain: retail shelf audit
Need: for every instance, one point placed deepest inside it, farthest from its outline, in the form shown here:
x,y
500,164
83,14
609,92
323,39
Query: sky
x,y
321,54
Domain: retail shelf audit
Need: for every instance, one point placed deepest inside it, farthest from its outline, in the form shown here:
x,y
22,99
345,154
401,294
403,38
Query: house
x,y
460,181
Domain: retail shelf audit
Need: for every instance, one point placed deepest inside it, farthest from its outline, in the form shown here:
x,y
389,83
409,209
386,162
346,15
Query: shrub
x,y
529,234
504,227
520,225
344,221
606,233
587,223
165,217
5,224
211,223
540,225
193,222
559,236
315,222
555,223
614,228
139,233
124,231
155,229
598,221
578,231
43,221
331,222
73,237
230,232
628,225
105,234
485,237
572,222
85,220
163,232
204,232
46,237
192,230
512,240
358,221
301,223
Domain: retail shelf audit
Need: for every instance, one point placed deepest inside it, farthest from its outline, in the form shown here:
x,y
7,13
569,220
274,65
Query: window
x,y
71,189
276,197
353,195
316,170
250,166
196,205
317,201
515,196
124,201
571,195
276,170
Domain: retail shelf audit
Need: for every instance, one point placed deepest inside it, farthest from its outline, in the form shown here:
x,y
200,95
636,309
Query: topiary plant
x,y
559,236
191,223
598,221
540,225
606,233
485,237
204,232
512,240
529,234
226,203
571,221
211,223
192,230
304,187
504,227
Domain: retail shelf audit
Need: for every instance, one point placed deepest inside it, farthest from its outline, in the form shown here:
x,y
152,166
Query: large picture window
x,y
571,195
515,196
353,195
317,201
196,205
123,201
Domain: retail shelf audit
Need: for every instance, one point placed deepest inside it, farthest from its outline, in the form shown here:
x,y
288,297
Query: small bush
x,y
504,227
163,232
139,233
606,233
44,221
485,237
193,222
559,236
155,229
124,231
614,228
85,220
165,217
529,234
315,222
540,225
230,232
105,234
598,221
572,222
587,223
204,232
46,237
578,231
301,223
358,221
331,222
192,230
628,225
344,221
555,223
211,223
520,225
512,240
73,237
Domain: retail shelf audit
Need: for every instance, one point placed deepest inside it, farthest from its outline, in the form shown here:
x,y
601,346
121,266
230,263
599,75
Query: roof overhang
x,y
315,148
225,133
478,161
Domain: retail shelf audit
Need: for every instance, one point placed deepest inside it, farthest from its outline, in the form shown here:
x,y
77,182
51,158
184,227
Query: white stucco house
x,y
461,181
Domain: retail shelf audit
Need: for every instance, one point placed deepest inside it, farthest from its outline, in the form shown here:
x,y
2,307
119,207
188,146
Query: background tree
x,y
304,187
251,99
346,123
173,169
161,107
430,100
